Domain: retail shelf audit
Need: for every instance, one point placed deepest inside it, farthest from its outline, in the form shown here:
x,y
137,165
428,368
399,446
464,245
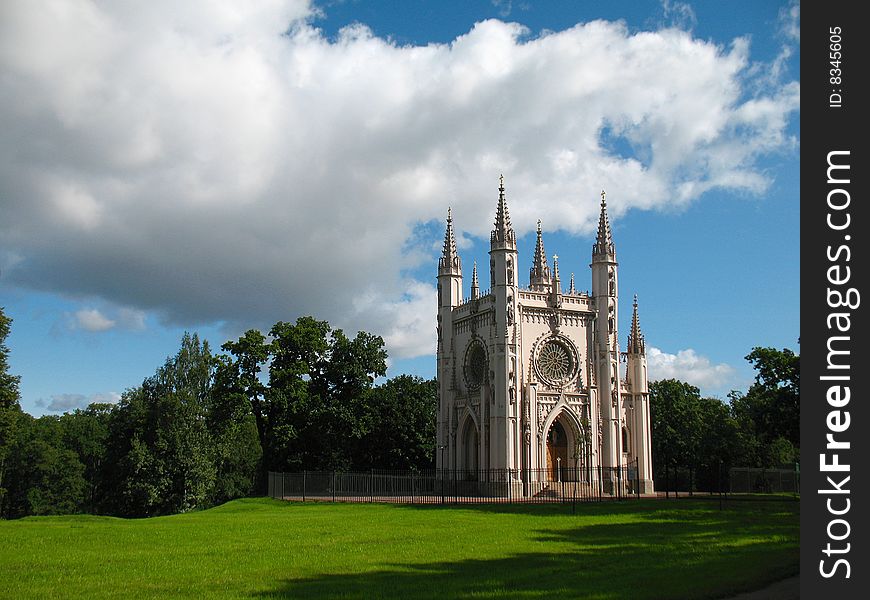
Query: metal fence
x,y
443,486
752,480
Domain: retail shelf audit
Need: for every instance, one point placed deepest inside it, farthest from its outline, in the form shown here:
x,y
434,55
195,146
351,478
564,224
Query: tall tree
x,y
86,432
401,425
238,379
10,410
46,477
160,444
770,411
676,425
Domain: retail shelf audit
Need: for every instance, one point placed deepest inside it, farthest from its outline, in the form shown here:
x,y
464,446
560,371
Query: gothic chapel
x,y
529,379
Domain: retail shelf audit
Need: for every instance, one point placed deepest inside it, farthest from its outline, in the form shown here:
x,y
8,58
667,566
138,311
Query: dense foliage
x,y
204,429
697,440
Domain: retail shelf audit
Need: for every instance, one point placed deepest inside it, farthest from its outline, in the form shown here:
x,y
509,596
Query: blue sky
x,y
213,170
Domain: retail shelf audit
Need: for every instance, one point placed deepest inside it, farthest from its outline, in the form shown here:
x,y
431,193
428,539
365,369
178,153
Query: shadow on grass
x,y
665,551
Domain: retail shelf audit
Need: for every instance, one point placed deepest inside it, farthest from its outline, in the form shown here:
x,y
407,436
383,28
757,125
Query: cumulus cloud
x,y
226,162
687,365
95,320
92,320
70,402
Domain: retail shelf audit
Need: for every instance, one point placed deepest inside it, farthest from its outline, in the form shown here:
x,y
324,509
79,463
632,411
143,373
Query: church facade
x,y
530,379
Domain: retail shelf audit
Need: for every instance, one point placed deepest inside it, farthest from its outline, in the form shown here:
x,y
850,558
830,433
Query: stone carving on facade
x,y
547,353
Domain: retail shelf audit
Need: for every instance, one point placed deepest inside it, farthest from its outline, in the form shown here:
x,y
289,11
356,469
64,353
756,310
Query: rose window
x,y
554,361
475,366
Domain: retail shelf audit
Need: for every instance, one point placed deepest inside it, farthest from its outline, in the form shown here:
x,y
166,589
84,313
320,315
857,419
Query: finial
x,y
571,289
503,236
604,242
636,344
449,262
557,287
539,275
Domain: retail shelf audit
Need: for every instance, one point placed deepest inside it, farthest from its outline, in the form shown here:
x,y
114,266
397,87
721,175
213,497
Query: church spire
x,y
636,344
475,286
503,235
604,241
557,285
539,274
450,263
571,289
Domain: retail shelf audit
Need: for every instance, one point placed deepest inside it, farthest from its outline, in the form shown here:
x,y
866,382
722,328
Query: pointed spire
x,y
604,241
636,343
503,235
571,289
539,274
557,287
450,263
475,286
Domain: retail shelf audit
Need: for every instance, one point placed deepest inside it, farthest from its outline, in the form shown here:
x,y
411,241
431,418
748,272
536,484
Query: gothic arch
x,y
468,441
576,433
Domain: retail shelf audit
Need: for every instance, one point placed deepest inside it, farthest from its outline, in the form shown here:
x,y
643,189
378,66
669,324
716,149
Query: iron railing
x,y
458,486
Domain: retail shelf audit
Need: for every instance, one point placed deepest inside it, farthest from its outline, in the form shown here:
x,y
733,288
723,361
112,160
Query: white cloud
x,y
95,320
70,402
790,21
679,14
687,365
224,162
92,320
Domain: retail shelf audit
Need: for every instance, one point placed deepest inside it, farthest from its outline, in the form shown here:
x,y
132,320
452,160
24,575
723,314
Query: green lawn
x,y
265,548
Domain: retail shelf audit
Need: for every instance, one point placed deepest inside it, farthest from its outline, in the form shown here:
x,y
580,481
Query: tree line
x,y
696,441
207,428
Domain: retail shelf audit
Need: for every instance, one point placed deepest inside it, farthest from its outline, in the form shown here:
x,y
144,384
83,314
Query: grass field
x,y
264,548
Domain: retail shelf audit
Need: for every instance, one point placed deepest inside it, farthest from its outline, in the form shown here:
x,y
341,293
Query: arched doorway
x,y
557,452
470,448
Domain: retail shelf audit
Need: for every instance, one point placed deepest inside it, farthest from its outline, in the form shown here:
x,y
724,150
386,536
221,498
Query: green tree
x,y
718,445
10,410
46,477
159,442
238,379
314,410
234,433
676,427
86,432
769,413
401,425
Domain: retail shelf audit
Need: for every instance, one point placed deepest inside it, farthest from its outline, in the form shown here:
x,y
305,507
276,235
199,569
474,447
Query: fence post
x,y
372,486
600,481
333,485
303,485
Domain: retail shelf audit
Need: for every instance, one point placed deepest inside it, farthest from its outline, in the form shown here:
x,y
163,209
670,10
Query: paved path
x,y
787,589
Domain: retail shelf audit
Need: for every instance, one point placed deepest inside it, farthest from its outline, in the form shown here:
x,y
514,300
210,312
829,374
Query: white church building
x,y
532,381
